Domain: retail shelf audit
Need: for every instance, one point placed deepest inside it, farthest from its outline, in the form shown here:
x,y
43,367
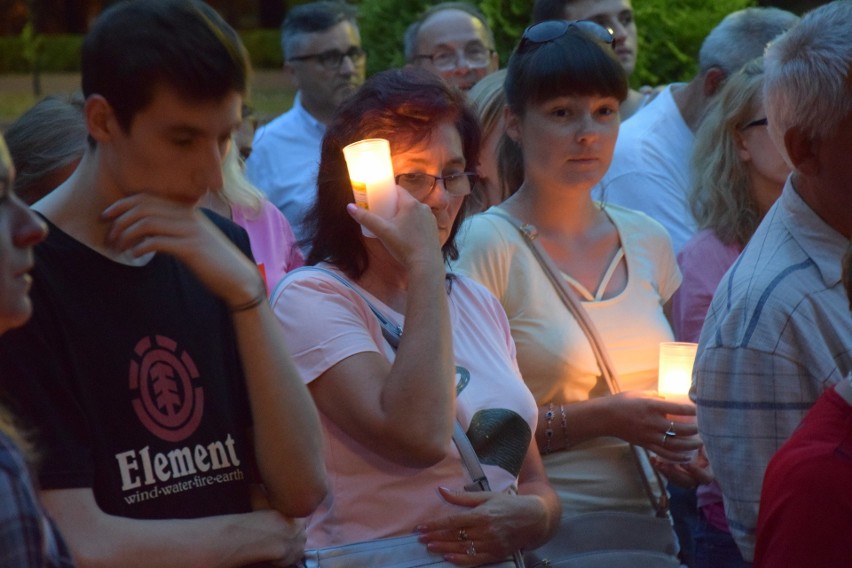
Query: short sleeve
x,y
484,254
323,322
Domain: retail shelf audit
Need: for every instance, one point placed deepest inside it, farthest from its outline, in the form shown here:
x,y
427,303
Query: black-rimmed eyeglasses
x,y
550,30
332,58
420,185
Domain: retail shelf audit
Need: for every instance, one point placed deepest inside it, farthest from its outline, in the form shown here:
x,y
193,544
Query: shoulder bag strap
x,y
569,298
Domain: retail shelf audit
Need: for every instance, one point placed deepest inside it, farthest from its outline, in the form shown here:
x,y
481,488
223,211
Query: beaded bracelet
x,y
548,431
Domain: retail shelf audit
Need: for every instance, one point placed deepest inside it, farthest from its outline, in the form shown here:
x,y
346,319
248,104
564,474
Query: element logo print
x,y
168,404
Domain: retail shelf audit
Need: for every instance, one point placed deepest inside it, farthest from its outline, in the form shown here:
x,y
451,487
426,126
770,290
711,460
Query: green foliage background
x,y
670,31
56,53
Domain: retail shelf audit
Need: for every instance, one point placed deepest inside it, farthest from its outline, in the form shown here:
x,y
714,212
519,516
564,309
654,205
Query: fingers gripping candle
x,y
371,174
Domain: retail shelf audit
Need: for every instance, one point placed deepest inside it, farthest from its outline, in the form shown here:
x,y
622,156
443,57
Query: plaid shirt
x,y
27,537
777,334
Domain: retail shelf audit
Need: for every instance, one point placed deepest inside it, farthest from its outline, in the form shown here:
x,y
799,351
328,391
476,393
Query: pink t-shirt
x,y
703,261
273,243
370,497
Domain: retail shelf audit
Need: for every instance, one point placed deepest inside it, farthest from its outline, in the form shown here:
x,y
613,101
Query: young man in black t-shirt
x,y
153,372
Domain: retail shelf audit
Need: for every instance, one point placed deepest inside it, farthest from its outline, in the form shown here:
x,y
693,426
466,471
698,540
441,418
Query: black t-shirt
x,y
131,380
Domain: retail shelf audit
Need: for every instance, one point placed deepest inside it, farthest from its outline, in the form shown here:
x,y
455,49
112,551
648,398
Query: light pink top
x,y
703,261
273,243
371,497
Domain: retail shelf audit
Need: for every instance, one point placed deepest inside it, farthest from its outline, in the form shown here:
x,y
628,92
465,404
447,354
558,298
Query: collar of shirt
x,y
822,243
306,117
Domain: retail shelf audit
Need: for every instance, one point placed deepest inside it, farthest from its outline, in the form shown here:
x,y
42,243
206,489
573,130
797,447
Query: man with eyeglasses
x,y
324,59
453,40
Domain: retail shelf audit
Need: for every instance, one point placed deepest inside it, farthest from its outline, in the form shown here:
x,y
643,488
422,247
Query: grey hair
x,y
47,137
742,36
808,84
409,40
313,18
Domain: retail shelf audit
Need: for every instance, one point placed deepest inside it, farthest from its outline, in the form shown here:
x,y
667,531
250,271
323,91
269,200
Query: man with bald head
x,y
453,40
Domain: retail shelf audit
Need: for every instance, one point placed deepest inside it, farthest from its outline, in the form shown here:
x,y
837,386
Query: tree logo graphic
x,y
168,404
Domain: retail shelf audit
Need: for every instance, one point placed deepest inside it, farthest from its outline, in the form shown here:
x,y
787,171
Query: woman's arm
x,y
639,418
402,411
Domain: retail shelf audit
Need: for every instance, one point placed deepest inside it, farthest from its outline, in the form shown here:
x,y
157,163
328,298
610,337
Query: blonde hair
x,y
721,197
9,428
237,189
487,98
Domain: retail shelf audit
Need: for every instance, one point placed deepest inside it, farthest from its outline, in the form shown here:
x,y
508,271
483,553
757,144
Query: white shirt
x,y
650,169
285,160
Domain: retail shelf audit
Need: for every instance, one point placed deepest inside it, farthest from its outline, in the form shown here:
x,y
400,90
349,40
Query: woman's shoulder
x,y
311,279
632,217
471,289
476,299
487,222
705,252
635,225
706,241
489,230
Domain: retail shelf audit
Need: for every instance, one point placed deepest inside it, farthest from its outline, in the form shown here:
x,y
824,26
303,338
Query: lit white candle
x,y
675,379
675,374
371,174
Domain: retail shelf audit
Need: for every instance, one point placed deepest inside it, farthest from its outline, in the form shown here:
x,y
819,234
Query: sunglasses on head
x,y
550,30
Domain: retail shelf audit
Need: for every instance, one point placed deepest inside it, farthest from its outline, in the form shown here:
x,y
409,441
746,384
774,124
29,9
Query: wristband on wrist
x,y
253,303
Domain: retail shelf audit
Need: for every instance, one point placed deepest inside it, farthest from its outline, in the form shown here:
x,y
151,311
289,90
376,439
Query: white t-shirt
x,y
650,169
325,322
554,356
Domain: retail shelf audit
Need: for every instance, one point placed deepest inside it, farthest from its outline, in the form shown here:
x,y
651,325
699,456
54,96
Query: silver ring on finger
x,y
665,438
462,535
671,430
471,550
